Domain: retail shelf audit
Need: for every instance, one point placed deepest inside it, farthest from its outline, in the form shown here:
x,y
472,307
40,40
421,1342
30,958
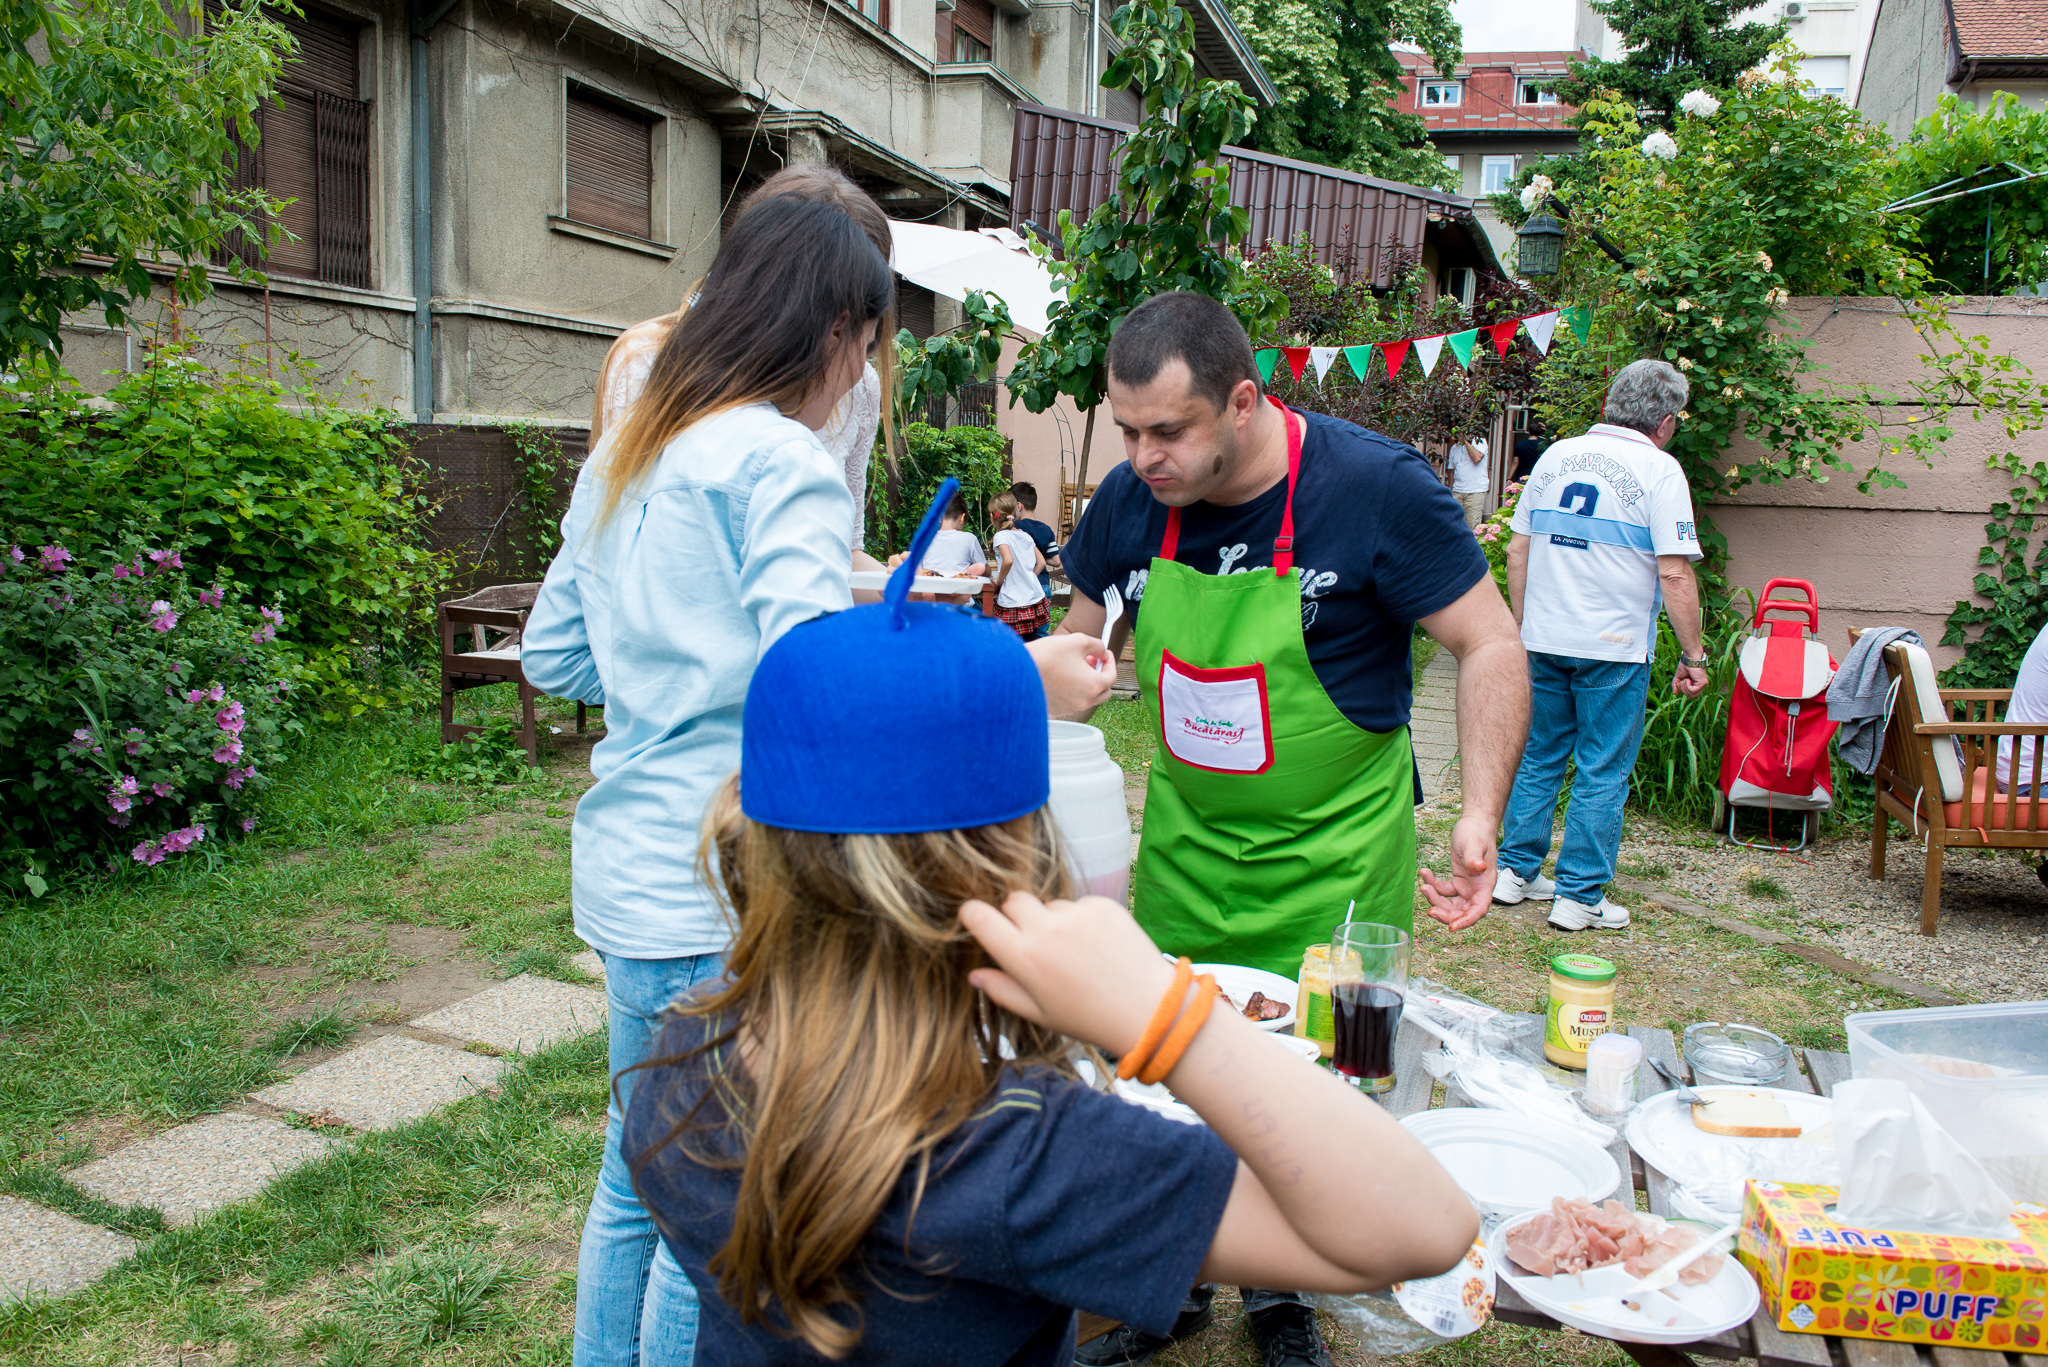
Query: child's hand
x,y
1082,968
1078,671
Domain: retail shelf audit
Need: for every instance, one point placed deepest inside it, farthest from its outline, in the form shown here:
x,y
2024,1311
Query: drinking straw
x,y
1348,910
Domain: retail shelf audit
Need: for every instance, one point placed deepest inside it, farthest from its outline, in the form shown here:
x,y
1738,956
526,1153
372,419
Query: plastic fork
x,y
1664,1274
1113,611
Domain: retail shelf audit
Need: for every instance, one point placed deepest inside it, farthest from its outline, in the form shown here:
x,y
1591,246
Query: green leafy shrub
x,y
492,755
139,716
313,508
972,455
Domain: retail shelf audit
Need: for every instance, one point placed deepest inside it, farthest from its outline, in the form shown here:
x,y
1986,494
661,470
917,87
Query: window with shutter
x,y
313,150
877,10
610,166
915,309
974,31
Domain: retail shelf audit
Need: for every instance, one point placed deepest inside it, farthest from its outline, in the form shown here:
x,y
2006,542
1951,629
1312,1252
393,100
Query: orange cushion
x,y
1988,811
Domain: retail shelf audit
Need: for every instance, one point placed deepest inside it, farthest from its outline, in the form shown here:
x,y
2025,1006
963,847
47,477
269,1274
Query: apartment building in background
x,y
484,193
1973,49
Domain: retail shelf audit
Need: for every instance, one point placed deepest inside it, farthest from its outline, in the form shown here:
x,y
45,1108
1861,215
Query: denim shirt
x,y
739,532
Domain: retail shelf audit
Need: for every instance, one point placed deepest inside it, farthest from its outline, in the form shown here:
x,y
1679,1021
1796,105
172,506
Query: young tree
x,y
116,155
1338,81
1167,227
1674,46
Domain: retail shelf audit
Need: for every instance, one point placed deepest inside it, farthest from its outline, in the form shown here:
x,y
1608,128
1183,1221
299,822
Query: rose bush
x,y
139,713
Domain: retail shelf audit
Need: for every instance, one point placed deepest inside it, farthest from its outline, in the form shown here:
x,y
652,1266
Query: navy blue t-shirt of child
x,y
1378,539
1052,1198
1042,535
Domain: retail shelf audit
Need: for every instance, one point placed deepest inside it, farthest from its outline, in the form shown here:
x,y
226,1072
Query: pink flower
x,y
248,824
215,693
272,620
233,777
120,571
164,619
15,551
121,793
211,598
118,820
162,789
177,842
148,852
81,739
228,753
229,719
166,560
54,558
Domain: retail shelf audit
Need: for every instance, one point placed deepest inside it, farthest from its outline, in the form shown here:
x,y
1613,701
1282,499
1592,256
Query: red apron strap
x,y
1283,545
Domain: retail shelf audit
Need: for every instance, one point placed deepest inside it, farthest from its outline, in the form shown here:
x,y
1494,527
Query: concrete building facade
x,y
1973,49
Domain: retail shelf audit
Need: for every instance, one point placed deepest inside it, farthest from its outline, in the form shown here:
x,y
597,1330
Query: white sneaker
x,y
1566,914
1509,889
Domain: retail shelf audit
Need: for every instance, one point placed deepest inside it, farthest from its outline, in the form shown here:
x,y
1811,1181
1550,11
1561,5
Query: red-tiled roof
x,y
1521,63
1490,103
2001,28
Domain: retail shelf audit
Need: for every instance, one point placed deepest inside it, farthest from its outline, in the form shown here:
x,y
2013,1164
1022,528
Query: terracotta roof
x,y
1521,63
2000,28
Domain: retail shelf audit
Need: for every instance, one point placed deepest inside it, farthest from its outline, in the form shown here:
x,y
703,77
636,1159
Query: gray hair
x,y
1644,394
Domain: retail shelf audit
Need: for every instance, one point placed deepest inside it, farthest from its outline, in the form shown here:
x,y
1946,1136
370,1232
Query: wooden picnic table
x,y
1760,1338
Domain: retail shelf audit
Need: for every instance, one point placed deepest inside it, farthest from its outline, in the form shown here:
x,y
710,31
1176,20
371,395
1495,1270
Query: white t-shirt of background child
x,y
1467,475
1021,589
951,552
1598,511
2029,704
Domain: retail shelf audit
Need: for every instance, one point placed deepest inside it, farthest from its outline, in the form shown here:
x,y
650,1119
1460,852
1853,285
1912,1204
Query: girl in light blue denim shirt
x,y
705,526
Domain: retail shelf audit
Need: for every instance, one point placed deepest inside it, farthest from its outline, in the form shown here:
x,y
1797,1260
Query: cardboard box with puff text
x,y
1822,1277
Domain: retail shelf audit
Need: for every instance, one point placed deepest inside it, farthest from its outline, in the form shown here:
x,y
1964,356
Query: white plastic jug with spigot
x,y
1088,807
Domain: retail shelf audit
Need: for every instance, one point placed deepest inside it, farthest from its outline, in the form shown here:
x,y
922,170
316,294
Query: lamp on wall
x,y
1539,247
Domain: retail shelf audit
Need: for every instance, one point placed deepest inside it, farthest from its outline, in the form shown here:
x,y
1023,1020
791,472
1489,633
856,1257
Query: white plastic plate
x,y
1512,1164
1661,1132
1156,1097
877,580
1238,984
1691,1313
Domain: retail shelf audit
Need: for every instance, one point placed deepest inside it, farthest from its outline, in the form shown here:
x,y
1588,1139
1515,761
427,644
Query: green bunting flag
x,y
1359,357
1461,344
1267,358
1580,316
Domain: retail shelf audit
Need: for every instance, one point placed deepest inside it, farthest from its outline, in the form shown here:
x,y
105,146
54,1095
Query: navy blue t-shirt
x,y
1379,541
1041,534
1052,1198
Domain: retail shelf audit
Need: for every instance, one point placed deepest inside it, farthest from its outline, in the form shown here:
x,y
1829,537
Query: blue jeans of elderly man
x,y
1603,538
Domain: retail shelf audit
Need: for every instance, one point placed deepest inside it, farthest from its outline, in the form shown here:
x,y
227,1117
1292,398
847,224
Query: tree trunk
x,y
1081,476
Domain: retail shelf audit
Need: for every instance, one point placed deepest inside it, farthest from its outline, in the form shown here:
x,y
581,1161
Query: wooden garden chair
x,y
494,619
1938,772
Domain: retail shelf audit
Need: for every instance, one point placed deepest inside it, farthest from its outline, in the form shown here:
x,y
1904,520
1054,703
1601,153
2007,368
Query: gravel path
x,y
1994,909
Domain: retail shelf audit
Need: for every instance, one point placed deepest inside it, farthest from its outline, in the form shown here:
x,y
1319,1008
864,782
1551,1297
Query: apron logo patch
x,y
1215,719
1227,732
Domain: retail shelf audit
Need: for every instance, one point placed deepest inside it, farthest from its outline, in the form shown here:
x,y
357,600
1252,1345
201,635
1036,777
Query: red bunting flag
x,y
1396,352
1503,334
1297,357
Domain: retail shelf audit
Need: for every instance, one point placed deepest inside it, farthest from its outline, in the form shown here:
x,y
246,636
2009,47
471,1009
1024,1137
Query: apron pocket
x,y
1215,719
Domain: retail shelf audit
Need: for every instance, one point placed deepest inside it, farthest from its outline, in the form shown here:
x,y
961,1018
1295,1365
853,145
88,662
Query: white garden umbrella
x,y
950,262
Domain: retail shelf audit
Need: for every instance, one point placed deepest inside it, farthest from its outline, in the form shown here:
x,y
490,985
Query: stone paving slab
x,y
44,1252
197,1168
385,1083
591,962
525,1013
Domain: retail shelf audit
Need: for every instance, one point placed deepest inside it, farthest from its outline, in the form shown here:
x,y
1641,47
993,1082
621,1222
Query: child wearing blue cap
x,y
871,1140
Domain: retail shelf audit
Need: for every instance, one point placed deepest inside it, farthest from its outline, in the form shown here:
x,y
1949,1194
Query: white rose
x,y
1537,190
1659,144
1700,104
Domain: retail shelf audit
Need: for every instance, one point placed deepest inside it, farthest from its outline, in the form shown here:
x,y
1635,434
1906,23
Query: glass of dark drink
x,y
1368,984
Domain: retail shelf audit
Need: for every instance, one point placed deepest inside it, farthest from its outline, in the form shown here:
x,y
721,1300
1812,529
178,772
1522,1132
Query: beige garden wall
x,y
1895,556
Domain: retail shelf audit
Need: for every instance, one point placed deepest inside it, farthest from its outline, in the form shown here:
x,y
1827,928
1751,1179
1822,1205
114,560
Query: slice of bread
x,y
1746,1115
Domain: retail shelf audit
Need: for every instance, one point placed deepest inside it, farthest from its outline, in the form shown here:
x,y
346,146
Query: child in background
x,y
1048,544
829,1138
955,553
1020,599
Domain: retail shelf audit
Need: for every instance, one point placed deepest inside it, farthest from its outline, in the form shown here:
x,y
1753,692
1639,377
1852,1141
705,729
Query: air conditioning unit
x,y
1795,9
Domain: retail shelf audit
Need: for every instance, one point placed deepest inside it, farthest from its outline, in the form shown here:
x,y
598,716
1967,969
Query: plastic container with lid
x,y
1088,807
1983,1073
1581,1007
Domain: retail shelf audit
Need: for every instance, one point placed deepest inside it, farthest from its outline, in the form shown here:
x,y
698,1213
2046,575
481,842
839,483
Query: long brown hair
x,y
865,1044
820,184
788,271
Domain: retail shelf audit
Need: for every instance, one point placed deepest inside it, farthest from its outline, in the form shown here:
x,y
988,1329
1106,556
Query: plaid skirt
x,y
1027,621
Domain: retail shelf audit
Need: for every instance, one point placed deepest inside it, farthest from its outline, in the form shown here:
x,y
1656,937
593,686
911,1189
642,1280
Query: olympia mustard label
x,y
1581,1007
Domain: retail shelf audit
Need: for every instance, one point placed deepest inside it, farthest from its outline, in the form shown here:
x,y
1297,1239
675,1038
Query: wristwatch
x,y
1690,663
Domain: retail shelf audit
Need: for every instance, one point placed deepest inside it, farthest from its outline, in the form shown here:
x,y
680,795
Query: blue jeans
x,y
1590,711
634,1305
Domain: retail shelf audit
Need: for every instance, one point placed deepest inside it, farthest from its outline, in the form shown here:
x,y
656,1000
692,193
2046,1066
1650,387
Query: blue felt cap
x,y
895,717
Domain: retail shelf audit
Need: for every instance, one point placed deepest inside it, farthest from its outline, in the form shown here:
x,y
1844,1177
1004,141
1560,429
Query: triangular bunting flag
x,y
1322,358
1360,357
1580,316
1503,335
1269,357
1540,327
1297,357
1462,344
1427,349
1396,352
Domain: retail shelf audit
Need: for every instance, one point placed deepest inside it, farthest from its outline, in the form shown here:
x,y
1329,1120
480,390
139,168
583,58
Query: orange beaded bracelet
x,y
1183,1034
1128,1066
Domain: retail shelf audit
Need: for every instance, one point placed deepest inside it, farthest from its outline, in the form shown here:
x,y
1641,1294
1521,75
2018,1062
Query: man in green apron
x,y
1275,564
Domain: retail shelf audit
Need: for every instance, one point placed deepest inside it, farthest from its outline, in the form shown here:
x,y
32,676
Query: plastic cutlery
x,y
1667,1272
1113,611
1682,1092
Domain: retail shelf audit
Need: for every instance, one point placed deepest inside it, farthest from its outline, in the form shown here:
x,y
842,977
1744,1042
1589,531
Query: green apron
x,y
1267,809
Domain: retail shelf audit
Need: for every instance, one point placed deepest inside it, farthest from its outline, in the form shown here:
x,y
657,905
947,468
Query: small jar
x,y
1313,1016
1581,1007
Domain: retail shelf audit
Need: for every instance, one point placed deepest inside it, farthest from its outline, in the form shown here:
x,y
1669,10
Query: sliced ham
x,y
1574,1236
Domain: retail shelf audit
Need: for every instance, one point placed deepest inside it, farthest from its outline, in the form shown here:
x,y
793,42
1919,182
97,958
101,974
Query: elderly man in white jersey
x,y
1603,536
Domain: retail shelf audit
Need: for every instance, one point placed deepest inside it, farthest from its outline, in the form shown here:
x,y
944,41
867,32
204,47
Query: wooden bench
x,y
494,620
1938,772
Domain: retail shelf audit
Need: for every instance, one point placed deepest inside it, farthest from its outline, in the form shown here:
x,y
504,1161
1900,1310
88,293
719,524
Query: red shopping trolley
x,y
1776,756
